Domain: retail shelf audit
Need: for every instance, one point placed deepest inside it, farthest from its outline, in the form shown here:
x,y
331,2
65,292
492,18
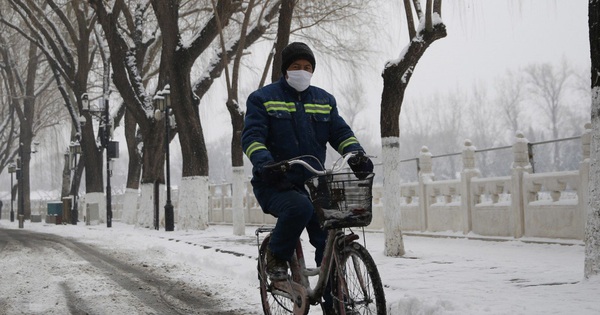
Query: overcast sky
x,y
485,38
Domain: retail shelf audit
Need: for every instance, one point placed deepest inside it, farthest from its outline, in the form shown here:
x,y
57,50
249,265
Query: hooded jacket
x,y
282,123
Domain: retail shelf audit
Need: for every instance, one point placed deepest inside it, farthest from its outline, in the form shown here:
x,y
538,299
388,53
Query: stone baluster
x,y
212,194
425,176
468,172
583,193
520,166
223,195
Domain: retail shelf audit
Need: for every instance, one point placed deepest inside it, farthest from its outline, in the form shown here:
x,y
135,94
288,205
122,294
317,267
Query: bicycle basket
x,y
342,200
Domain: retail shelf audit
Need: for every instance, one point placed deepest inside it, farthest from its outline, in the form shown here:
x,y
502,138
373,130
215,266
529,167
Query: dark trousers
x,y
294,212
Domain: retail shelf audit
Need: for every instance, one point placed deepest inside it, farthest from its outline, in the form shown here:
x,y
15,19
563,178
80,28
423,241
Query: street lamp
x,y
11,169
20,180
74,150
163,103
103,115
20,189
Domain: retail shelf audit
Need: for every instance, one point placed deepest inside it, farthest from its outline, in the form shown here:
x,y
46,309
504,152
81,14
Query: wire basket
x,y
342,200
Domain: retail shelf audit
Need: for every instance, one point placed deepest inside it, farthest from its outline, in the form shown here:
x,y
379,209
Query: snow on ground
x,y
438,275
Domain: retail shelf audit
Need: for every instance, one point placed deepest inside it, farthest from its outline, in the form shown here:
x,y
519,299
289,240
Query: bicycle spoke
x,y
358,284
278,298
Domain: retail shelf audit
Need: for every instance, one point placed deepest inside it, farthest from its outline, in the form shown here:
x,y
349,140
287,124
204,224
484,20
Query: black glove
x,y
361,165
275,176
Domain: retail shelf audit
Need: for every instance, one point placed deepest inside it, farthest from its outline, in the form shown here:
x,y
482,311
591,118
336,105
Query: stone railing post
x,y
425,176
223,195
584,175
468,172
520,166
212,194
237,202
248,196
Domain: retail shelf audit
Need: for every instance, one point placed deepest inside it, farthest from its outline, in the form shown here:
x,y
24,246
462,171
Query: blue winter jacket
x,y
282,123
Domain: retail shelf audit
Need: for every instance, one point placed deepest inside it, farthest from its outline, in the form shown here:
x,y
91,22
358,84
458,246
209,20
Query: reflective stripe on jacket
x,y
282,123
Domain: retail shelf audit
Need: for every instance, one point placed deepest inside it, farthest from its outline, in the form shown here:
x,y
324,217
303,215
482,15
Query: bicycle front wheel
x,y
357,287
274,302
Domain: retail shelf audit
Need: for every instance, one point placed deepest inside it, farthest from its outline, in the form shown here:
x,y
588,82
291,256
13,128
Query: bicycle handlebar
x,y
285,165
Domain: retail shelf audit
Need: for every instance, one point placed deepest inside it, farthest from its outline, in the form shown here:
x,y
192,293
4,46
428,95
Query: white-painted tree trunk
x,y
100,199
237,207
394,244
145,213
592,230
130,206
193,203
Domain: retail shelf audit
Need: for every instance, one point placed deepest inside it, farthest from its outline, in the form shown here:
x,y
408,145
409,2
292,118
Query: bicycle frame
x,y
300,274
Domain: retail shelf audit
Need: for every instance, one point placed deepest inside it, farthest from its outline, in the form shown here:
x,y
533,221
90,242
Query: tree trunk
x,y
66,176
92,156
592,230
134,168
192,214
396,77
153,155
193,146
284,26
237,163
26,129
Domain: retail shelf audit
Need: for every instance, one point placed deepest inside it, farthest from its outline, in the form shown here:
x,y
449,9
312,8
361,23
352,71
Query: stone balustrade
x,y
524,204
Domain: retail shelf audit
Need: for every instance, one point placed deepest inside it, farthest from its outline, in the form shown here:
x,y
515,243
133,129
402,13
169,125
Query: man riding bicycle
x,y
286,119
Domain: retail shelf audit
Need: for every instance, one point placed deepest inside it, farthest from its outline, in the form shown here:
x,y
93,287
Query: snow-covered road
x,y
437,276
49,274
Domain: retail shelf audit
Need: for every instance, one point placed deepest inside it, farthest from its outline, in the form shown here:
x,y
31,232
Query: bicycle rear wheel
x,y
357,287
272,303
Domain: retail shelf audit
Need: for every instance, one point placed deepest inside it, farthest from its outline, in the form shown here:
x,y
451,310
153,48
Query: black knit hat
x,y
295,51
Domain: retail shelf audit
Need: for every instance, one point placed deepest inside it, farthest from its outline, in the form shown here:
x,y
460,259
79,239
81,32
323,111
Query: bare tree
x,y
237,117
592,230
549,86
284,25
24,88
354,105
61,32
510,96
396,77
9,124
176,64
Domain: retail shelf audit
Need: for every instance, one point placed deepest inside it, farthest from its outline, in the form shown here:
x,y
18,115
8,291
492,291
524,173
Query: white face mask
x,y
299,79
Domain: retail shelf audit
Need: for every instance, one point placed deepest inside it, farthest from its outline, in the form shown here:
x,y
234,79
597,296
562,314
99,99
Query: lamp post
x,y
11,169
74,150
103,115
21,202
163,103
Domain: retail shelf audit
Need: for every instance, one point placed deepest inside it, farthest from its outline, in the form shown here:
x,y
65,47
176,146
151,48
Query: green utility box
x,y
55,208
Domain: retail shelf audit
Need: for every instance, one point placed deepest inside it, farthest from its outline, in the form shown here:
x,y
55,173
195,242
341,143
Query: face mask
x,y
299,79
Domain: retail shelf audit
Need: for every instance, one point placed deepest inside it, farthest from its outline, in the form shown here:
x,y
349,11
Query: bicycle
x,y
341,201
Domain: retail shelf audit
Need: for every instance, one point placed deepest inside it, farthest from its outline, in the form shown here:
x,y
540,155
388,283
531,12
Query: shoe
x,y
276,268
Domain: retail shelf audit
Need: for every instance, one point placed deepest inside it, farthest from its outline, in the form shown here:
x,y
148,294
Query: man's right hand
x,y
275,176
